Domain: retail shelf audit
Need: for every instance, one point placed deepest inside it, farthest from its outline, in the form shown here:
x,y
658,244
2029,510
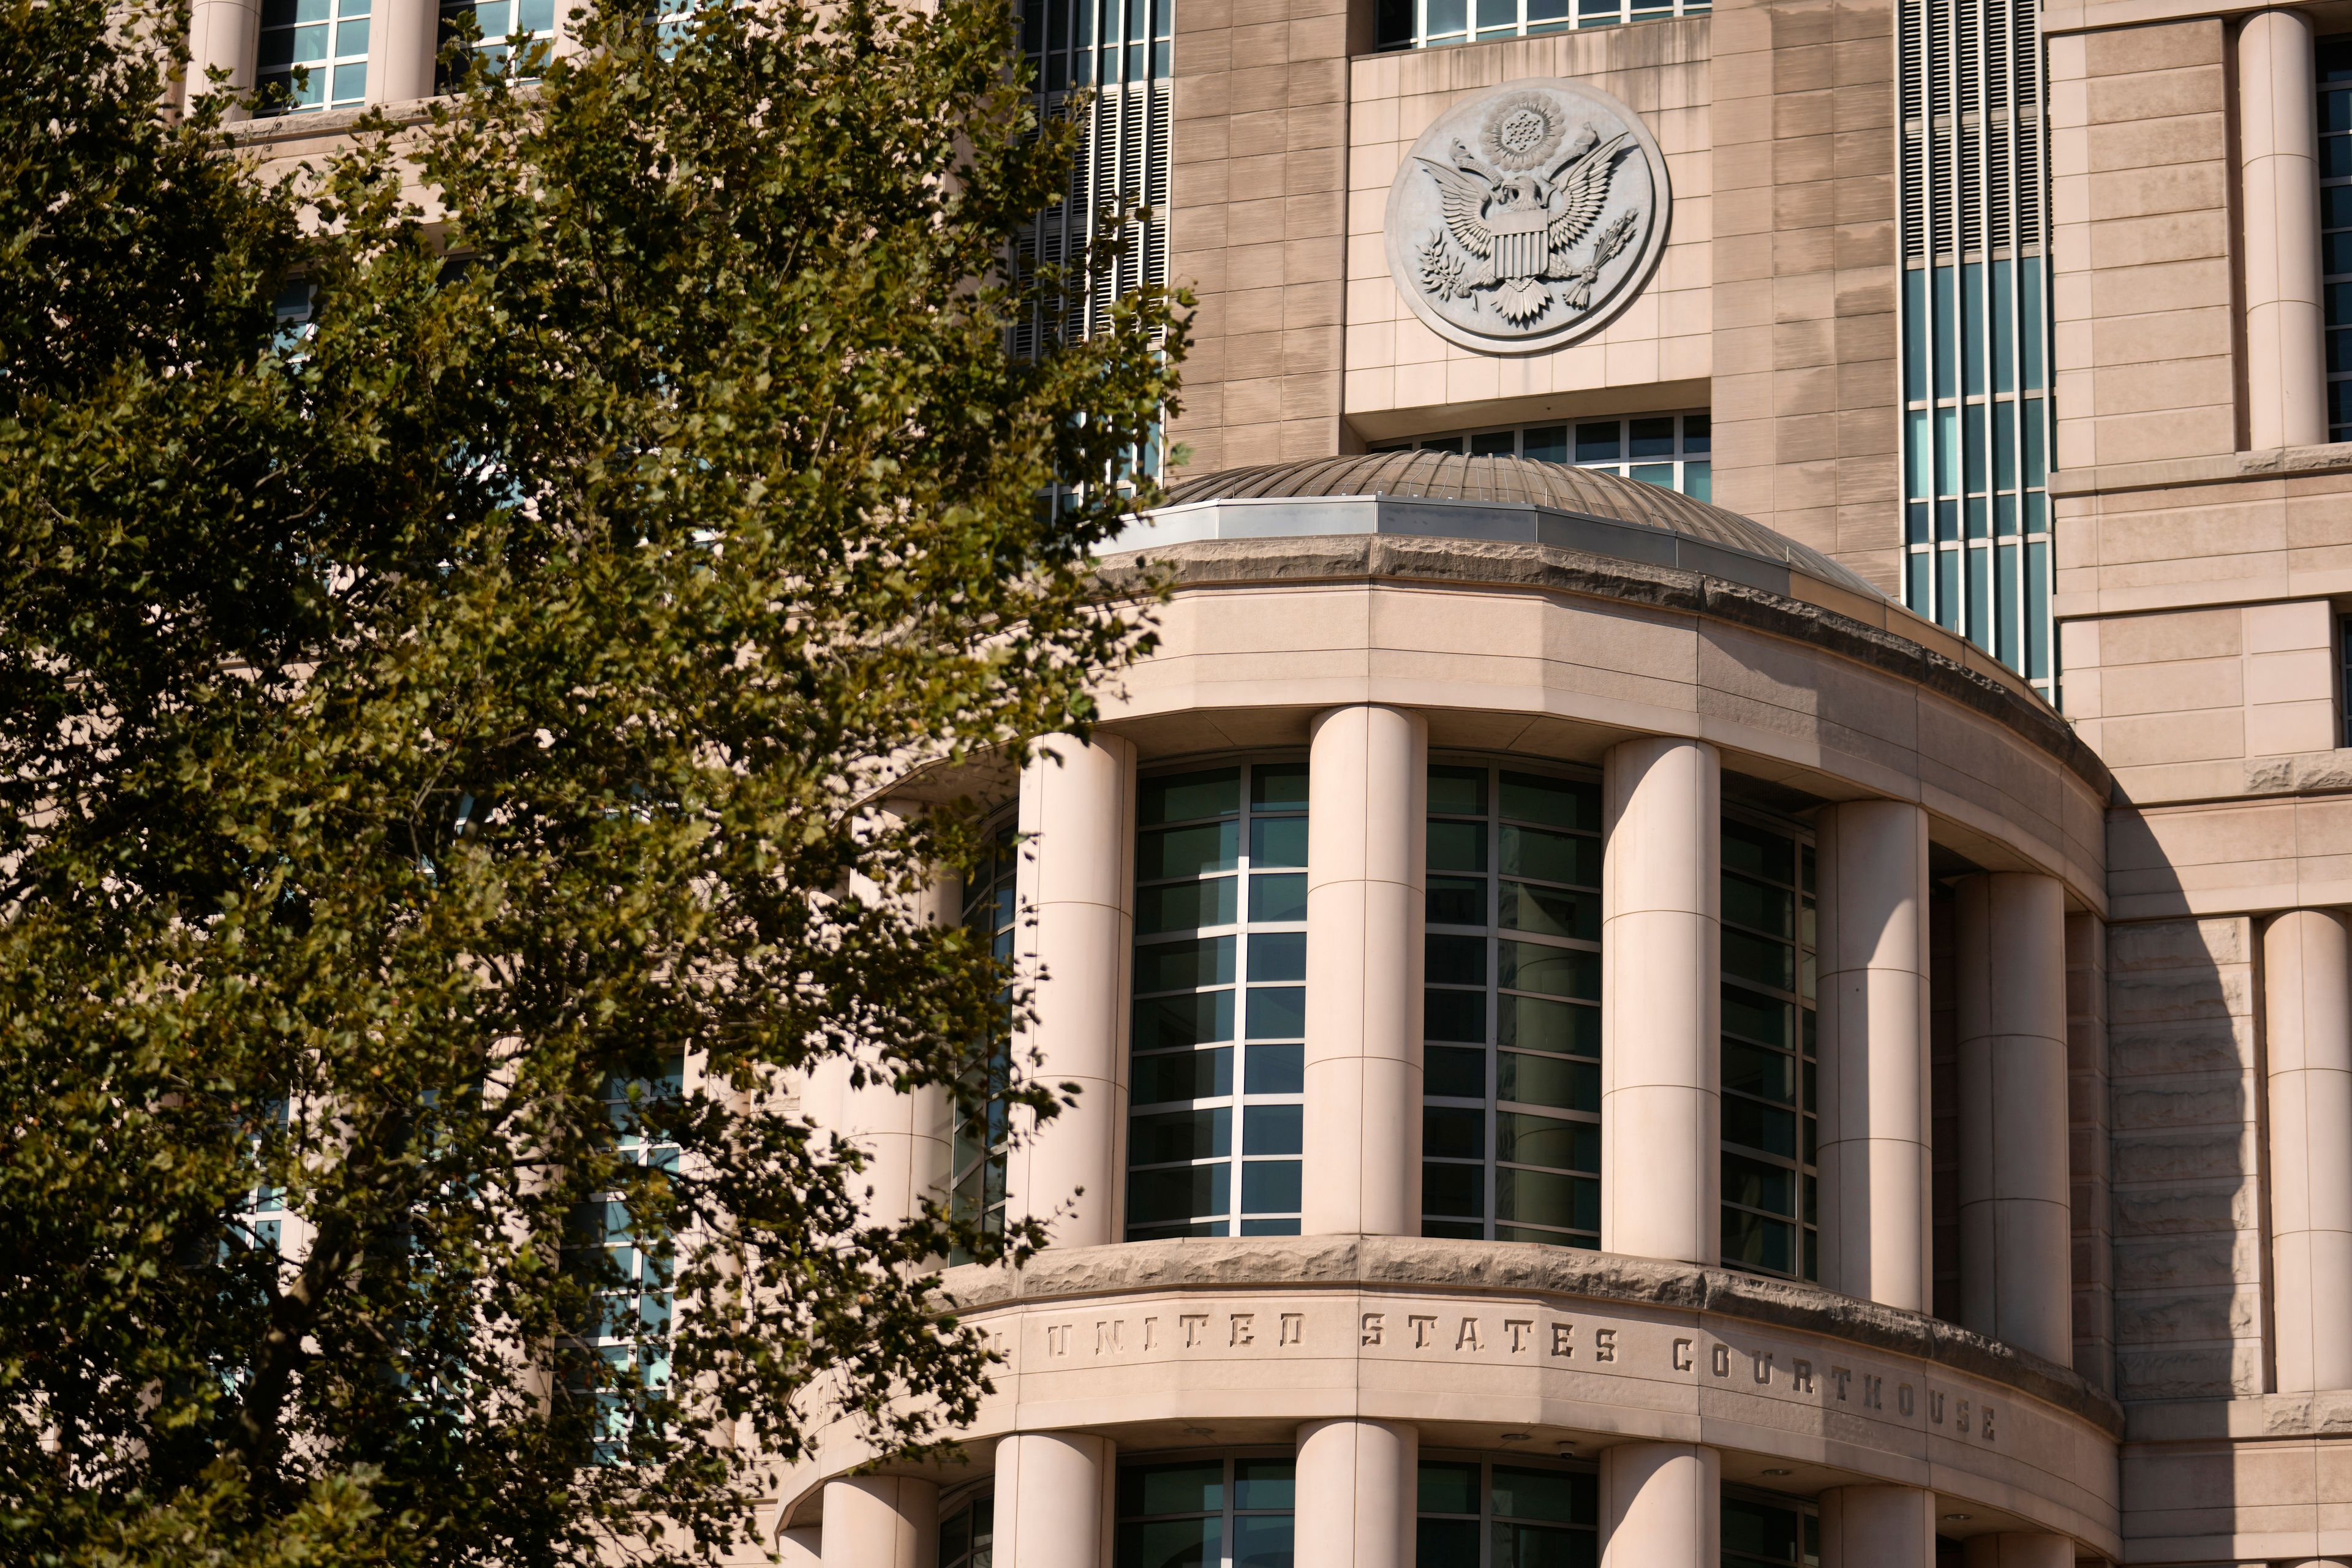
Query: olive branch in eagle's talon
x,y
1441,270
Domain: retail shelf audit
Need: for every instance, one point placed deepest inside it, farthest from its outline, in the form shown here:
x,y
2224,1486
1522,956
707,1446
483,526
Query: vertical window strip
x,y
1218,1075
326,41
630,1311
1120,51
1529,1513
1770,1182
1672,451
1212,1513
2334,68
1511,1016
1437,24
976,1154
1973,320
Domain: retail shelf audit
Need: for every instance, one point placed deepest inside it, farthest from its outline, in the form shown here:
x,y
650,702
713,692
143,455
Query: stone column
x,y
881,1521
1358,1484
1661,1011
1054,1499
2307,1022
1875,1143
222,32
2016,1550
801,1548
1077,885
1661,1506
2278,175
401,57
1367,828
1878,1527
906,1136
2016,1260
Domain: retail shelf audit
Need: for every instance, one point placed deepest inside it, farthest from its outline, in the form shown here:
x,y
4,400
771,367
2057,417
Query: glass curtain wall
x,y
1975,319
1206,1513
1475,1513
1432,24
1673,451
2335,86
1120,51
1511,1016
976,1156
326,40
1770,1186
1220,1020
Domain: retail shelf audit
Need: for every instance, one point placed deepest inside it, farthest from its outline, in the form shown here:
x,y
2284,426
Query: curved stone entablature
x,y
1508,642
1167,1343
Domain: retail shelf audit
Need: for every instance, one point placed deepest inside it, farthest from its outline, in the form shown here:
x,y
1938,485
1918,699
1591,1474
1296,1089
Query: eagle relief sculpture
x,y
1553,185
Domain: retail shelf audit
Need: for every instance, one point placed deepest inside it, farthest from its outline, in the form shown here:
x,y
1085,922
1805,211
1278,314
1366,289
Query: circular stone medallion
x,y
1527,217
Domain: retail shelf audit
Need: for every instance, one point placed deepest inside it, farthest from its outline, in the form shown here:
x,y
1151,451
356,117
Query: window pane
x,y
1453,1016
1263,1484
1551,911
1597,442
1277,841
1278,785
1452,1190
1181,1135
1278,955
1187,851
1184,963
1457,901
1271,1130
1450,1134
1453,1073
1278,896
1184,905
1563,1081
1278,1012
1183,1075
1179,797
1554,971
1270,1186
1445,1543
1533,1024
1455,959
1552,1496
1556,803
1457,846
1550,857
1277,1069
1457,792
1448,1488
1169,1021
1527,1140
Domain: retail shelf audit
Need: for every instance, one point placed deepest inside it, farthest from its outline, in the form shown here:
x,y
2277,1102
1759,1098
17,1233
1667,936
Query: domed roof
x,y
1489,484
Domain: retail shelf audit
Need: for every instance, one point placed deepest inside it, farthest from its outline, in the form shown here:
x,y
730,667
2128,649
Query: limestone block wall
x,y
1807,389
1402,378
1256,219
2186,1141
2142,289
2090,1153
2195,703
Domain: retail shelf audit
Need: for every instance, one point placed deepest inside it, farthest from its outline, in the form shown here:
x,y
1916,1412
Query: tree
x,y
440,743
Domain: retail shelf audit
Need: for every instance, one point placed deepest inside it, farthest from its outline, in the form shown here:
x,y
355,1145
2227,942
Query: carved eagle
x,y
1521,224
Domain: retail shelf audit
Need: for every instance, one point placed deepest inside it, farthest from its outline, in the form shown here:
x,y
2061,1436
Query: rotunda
x,y
1569,994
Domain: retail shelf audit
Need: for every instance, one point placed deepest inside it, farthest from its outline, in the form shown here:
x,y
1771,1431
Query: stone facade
x,y
2130,1018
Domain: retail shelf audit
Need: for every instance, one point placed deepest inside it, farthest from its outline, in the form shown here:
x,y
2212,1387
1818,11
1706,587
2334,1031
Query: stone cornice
x,y
1212,563
1061,1274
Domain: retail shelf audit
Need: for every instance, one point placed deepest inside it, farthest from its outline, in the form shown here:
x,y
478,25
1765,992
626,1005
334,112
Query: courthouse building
x,y
1717,931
